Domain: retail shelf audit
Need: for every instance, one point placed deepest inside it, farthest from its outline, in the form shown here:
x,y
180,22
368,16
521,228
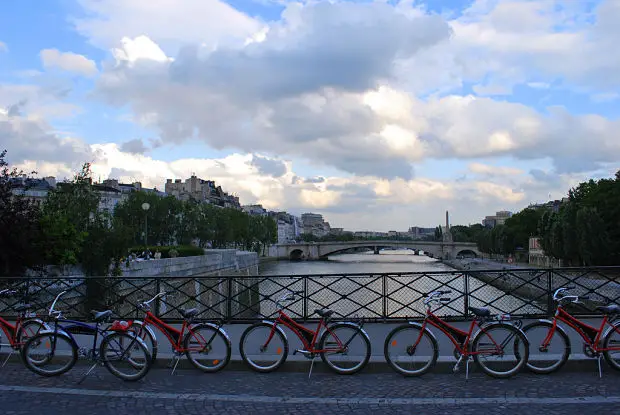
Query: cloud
x,y
485,169
3,47
269,166
29,139
135,146
68,61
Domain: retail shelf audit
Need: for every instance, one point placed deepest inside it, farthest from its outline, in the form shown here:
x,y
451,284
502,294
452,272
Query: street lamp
x,y
145,208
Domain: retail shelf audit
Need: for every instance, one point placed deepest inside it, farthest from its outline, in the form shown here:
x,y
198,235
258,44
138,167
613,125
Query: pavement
x,y
284,392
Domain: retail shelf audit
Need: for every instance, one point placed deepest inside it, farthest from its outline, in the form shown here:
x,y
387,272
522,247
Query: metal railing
x,y
380,297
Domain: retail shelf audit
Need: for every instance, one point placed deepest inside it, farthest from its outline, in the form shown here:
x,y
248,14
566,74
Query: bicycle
x,y
416,339
60,343
267,339
25,326
202,338
592,346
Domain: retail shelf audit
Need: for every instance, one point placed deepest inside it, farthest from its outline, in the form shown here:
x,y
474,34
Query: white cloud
x,y
486,169
3,47
68,61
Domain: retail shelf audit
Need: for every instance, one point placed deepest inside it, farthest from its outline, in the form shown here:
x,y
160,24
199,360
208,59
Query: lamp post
x,y
145,208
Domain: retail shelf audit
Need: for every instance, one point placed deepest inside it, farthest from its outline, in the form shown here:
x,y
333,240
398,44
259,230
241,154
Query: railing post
x,y
305,301
465,293
229,299
550,308
157,291
384,295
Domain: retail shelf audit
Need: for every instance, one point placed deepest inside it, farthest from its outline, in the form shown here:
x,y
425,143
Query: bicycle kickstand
x,y
176,360
311,366
600,370
85,375
7,358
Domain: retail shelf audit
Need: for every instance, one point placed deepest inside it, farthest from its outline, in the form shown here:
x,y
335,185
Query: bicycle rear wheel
x,y
501,350
259,353
125,356
207,347
406,359
355,354
49,354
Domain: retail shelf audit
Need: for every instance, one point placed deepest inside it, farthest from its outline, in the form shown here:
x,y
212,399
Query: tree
x,y
19,225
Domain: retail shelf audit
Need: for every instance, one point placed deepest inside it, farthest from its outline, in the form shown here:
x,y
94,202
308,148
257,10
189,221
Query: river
x,y
363,295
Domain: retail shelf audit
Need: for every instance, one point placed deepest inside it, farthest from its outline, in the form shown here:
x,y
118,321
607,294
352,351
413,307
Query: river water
x,y
372,295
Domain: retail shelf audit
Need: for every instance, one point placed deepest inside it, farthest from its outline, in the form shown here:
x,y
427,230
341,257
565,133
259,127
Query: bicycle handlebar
x,y
51,310
557,295
147,303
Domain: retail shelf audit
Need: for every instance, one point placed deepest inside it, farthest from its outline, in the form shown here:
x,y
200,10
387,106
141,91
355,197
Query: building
x,y
289,226
498,219
314,224
537,256
419,233
553,205
204,191
32,188
254,210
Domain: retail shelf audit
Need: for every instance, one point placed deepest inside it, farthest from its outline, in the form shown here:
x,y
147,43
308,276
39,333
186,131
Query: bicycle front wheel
x,y
49,354
125,356
406,356
148,337
552,356
346,348
207,347
259,351
501,350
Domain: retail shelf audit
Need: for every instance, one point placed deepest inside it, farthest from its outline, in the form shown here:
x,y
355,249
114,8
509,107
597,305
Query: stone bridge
x,y
321,250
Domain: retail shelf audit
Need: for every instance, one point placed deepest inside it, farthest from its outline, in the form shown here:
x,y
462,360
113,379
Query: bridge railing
x,y
377,296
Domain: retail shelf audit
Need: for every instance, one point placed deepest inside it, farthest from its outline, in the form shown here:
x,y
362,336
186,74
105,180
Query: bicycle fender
x,y
214,327
278,328
147,328
353,325
61,332
426,330
39,321
614,324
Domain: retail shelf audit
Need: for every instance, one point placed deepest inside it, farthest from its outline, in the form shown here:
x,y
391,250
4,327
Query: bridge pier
x,y
376,250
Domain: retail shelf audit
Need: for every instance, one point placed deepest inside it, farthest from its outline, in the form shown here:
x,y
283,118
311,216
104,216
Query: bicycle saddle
x,y
324,313
22,307
480,311
101,315
609,309
189,312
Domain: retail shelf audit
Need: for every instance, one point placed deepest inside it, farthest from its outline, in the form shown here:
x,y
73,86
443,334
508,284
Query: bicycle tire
x,y
531,366
282,353
523,358
147,335
417,328
610,361
132,340
40,338
217,333
361,333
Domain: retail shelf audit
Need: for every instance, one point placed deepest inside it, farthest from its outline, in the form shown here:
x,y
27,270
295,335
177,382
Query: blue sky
x,y
552,103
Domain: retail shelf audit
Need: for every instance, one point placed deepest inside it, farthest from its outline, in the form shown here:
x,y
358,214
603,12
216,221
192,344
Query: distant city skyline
x,y
378,115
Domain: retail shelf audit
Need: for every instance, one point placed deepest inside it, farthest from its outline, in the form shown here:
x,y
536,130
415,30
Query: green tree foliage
x,y
586,230
19,226
175,222
511,237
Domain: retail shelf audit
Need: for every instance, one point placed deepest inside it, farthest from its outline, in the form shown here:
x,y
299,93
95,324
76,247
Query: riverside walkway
x,y
235,391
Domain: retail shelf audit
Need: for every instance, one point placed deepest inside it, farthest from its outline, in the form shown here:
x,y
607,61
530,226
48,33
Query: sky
x,y
380,115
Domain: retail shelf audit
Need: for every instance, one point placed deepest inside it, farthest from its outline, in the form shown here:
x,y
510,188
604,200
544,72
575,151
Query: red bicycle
x,y
554,344
206,345
25,327
411,343
343,346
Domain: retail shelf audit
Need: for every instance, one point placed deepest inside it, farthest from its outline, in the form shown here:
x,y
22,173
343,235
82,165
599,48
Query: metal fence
x,y
378,297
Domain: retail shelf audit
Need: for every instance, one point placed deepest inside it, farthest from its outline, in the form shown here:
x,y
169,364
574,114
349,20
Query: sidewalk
x,y
245,392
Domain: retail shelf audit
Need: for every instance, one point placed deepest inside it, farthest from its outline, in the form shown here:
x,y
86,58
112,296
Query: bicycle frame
x,y
174,336
458,337
11,331
71,327
590,335
307,336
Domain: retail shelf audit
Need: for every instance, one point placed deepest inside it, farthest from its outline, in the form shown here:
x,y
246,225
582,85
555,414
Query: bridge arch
x,y
466,253
296,255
